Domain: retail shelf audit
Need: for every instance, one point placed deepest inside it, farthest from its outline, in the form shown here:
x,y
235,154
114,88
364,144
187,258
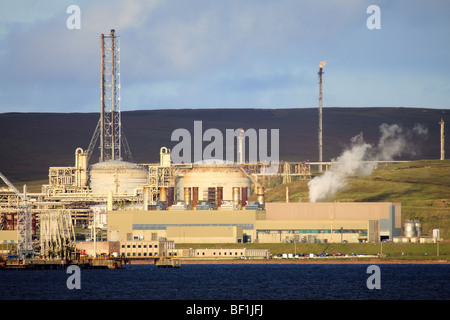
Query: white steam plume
x,y
393,142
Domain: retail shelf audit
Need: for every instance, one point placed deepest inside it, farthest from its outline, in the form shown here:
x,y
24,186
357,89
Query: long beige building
x,y
279,222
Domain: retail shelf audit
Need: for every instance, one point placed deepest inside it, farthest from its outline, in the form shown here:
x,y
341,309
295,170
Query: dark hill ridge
x,y
32,142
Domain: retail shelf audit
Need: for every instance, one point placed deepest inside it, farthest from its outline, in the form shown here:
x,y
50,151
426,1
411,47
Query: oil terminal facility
x,y
144,210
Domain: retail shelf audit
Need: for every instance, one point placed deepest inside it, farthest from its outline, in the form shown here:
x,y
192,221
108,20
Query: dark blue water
x,y
232,282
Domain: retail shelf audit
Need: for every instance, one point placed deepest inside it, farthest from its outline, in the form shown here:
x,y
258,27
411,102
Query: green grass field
x,y
414,251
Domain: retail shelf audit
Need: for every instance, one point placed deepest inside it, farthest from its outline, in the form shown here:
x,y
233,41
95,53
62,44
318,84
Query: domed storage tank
x,y
205,177
117,176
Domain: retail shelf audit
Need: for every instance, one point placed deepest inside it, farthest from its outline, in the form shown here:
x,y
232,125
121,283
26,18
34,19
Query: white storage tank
x,y
409,229
120,177
418,226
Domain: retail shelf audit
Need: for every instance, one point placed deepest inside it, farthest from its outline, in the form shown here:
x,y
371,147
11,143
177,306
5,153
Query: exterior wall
x,y
126,224
146,249
334,210
102,247
8,236
227,253
216,234
270,231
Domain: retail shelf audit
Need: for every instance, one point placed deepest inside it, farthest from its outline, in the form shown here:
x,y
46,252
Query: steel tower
x,y
109,128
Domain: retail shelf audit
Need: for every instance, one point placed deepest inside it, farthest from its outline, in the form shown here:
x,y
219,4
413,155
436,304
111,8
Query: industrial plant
x,y
142,210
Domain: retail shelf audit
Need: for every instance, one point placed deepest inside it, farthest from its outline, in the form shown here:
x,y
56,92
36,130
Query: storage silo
x,y
409,229
418,226
120,177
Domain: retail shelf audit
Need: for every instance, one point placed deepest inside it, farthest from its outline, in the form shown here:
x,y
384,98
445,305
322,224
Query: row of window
x,y
139,246
139,254
220,253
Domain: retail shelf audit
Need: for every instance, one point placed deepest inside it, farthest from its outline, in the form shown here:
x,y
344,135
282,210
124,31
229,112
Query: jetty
x,y
59,264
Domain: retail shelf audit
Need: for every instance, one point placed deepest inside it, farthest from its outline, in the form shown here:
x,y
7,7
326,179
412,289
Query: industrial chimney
x,y
322,64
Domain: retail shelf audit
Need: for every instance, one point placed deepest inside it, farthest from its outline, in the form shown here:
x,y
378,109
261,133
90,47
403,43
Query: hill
x,y
422,187
32,142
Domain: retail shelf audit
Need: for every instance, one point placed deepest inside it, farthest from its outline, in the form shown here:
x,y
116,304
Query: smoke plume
x,y
358,159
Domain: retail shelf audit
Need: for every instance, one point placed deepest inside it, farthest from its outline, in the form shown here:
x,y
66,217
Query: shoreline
x,y
317,261
304,261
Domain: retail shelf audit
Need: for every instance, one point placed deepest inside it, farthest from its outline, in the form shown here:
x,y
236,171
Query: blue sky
x,y
226,54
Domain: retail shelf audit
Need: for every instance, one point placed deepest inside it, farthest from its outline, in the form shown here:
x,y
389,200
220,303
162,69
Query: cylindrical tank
x,y
194,197
287,194
244,191
260,194
81,167
236,196
219,196
117,176
409,229
163,194
187,196
418,226
170,196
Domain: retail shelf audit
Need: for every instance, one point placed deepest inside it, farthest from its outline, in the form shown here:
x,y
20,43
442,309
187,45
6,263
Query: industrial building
x,y
138,204
277,223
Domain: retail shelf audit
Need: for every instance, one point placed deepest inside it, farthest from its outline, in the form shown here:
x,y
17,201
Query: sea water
x,y
232,282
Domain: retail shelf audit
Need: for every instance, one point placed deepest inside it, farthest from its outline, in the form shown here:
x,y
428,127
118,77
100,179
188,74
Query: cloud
x,y
255,52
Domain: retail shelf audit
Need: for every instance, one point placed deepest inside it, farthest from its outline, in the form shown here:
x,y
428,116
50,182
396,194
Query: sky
x,y
177,54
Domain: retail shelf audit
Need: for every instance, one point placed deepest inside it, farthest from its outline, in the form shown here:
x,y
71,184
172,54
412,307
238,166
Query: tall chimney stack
x,y
322,64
